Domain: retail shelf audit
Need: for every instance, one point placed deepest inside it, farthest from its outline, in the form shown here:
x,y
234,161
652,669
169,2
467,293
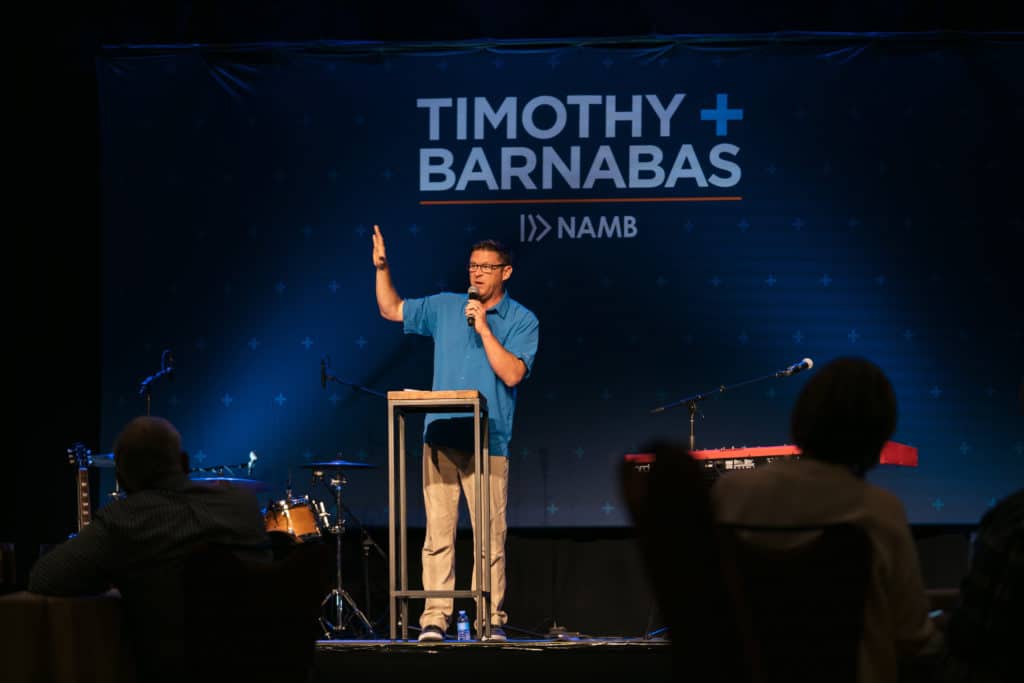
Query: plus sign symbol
x,y
721,114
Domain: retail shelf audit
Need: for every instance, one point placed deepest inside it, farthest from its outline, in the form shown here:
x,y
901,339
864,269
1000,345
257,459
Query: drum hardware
x,y
323,514
331,475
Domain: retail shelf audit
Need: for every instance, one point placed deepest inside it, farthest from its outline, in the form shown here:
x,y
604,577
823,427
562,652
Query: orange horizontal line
x,y
594,200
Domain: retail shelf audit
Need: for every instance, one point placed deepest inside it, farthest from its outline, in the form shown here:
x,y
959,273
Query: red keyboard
x,y
893,453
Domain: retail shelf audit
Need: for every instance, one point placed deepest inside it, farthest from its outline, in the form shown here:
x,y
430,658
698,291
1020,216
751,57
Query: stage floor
x,y
528,661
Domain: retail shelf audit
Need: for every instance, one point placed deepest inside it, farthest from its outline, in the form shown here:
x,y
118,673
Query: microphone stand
x,y
166,368
360,387
691,401
146,389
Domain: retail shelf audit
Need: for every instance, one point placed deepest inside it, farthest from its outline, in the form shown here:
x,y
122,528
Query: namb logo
x,y
534,227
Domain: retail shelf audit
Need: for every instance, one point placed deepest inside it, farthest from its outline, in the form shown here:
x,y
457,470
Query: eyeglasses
x,y
486,267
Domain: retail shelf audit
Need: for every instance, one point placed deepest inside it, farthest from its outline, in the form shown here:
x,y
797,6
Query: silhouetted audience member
x,y
984,630
668,501
842,418
139,544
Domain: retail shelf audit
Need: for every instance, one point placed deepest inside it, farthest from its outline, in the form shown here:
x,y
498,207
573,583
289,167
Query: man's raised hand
x,y
380,256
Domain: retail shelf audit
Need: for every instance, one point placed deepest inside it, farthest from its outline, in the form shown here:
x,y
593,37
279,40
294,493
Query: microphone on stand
x,y
166,370
805,364
323,372
474,295
168,362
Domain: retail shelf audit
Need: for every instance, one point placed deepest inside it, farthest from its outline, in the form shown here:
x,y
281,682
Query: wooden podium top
x,y
418,395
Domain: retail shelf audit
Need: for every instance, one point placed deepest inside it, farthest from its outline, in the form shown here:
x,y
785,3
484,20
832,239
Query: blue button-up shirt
x,y
460,362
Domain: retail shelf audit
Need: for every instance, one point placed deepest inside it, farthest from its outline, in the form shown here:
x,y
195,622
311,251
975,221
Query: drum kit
x,y
301,519
297,519
293,519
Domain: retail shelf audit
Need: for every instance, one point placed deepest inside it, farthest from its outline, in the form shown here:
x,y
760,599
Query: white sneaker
x,y
431,634
497,635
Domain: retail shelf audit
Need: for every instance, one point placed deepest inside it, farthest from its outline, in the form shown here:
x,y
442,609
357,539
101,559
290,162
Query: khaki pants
x,y
445,472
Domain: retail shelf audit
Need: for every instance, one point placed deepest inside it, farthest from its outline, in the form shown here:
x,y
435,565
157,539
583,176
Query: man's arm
x,y
77,566
389,302
507,366
510,368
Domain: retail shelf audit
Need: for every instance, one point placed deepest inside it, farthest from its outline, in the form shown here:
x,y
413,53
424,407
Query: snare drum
x,y
294,516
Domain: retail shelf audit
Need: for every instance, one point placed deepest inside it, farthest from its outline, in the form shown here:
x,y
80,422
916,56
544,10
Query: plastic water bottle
x,y
462,626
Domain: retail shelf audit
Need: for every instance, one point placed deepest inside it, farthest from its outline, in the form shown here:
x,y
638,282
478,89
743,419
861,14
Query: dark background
x,y
55,199
240,184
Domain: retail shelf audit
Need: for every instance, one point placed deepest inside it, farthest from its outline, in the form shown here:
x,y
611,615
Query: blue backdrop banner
x,y
683,216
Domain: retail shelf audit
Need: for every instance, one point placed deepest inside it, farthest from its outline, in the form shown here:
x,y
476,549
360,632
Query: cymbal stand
x,y
367,544
338,597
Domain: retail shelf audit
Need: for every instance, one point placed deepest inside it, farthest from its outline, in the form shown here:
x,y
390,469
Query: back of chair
x,y
671,509
799,595
254,621
746,603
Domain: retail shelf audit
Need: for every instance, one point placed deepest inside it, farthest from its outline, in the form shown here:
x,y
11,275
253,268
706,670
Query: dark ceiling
x,y
228,21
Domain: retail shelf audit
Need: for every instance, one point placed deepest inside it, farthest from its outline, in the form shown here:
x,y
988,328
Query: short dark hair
x,y
494,245
146,451
845,414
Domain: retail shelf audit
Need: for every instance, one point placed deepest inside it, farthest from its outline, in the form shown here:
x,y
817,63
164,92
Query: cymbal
x,y
101,460
337,464
233,482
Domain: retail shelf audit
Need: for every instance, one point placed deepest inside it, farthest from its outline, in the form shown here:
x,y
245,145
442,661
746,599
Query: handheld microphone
x,y
474,295
805,364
